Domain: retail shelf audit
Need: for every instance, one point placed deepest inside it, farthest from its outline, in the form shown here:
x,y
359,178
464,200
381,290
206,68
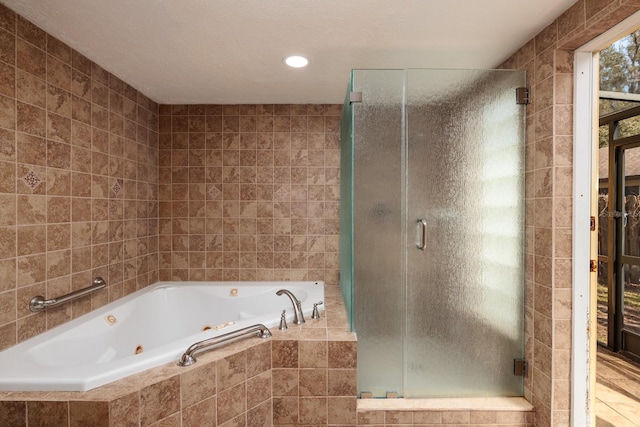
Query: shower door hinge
x,y
520,367
522,96
355,97
592,223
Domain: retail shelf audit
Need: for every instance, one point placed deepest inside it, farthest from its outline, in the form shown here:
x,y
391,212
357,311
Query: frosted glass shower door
x,y
378,267
432,235
464,228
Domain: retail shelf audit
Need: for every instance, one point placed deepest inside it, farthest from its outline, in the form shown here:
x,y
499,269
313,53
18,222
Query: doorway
x,y
619,198
585,204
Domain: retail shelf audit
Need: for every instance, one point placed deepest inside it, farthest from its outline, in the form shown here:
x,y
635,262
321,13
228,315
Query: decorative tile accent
x,y
31,179
116,188
214,192
281,193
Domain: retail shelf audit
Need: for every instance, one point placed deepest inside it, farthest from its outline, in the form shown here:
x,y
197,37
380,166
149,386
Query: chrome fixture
x,y
520,367
422,234
315,314
38,303
188,357
283,321
298,317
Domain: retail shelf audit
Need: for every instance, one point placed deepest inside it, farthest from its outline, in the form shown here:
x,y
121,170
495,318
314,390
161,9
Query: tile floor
x,y
617,391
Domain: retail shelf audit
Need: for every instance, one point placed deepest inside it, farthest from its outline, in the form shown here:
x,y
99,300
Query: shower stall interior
x,y
432,230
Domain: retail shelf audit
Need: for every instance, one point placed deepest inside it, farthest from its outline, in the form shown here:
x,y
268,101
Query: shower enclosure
x,y
432,230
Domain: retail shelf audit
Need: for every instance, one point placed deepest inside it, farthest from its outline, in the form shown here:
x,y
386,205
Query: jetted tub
x,y
150,327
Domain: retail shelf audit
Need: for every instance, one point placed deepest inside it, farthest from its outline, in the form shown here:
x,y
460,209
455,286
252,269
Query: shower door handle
x,y
421,242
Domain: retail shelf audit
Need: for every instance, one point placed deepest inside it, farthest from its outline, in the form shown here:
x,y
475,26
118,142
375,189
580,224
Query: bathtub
x,y
150,327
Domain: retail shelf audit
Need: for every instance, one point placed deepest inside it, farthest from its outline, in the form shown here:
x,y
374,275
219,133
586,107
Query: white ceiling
x,y
231,51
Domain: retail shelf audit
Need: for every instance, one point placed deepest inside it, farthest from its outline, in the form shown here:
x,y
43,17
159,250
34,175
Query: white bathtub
x,y
158,322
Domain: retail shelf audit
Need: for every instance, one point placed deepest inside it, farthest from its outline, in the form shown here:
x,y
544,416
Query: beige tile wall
x,y
548,60
249,192
78,180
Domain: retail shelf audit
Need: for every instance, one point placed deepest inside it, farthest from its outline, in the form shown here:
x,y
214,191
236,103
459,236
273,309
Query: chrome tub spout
x,y
298,317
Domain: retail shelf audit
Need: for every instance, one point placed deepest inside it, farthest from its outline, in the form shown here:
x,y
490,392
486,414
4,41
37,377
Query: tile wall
x,y
548,61
78,180
249,192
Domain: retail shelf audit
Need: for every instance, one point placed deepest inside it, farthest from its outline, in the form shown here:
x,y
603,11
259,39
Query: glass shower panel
x,y
377,228
465,192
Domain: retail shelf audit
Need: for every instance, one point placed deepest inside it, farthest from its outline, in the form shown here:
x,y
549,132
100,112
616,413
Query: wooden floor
x,y
617,391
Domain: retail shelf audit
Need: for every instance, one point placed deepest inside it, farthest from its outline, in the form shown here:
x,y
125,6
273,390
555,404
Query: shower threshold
x,y
448,404
499,404
514,411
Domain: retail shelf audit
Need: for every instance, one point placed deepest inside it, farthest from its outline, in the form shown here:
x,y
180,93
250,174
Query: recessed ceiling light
x,y
296,61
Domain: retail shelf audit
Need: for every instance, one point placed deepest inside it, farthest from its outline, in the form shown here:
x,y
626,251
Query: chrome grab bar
x,y
38,303
188,358
422,234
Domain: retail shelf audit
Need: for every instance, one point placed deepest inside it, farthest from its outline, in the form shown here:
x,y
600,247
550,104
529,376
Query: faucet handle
x,y
315,314
283,321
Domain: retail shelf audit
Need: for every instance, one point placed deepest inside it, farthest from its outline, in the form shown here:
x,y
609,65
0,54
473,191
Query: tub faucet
x,y
298,317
